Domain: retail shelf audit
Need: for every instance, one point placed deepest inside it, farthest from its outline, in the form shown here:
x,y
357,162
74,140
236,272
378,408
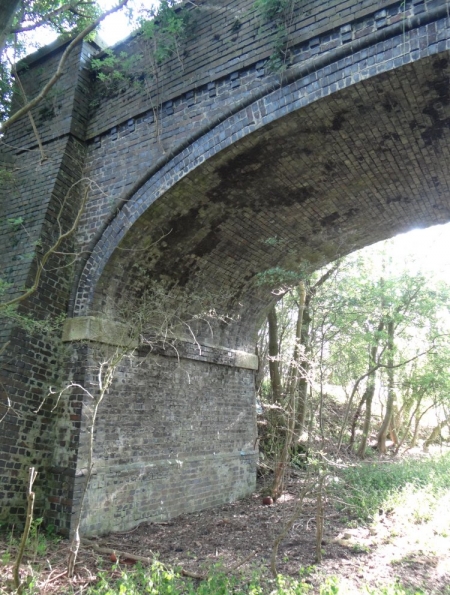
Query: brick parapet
x,y
215,59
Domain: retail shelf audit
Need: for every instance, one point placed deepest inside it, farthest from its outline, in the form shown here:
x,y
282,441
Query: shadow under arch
x,y
311,172
304,175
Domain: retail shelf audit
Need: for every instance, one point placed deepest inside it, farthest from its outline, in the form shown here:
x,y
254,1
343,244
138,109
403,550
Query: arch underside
x,y
350,169
177,431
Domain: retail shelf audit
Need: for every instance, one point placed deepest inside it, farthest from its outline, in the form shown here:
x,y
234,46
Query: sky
x,y
113,29
426,250
117,26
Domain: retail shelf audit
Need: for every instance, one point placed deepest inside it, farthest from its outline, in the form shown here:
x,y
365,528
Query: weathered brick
x,y
242,170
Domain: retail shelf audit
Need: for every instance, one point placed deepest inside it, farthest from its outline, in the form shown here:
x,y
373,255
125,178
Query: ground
x,y
414,551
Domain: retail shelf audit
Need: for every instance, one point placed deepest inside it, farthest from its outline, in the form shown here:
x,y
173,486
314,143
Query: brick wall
x,y
172,436
45,193
238,171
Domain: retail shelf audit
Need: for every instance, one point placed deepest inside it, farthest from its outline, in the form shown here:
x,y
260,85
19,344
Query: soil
x,y
240,535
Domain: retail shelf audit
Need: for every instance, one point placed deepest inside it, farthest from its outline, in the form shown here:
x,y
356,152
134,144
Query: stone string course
x,y
223,171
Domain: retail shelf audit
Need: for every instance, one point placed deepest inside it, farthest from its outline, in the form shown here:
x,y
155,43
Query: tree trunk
x,y
274,357
417,420
411,416
303,384
355,419
370,391
390,404
262,360
295,365
294,374
435,434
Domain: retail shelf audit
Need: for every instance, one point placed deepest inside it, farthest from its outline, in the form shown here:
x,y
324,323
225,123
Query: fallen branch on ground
x,y
128,556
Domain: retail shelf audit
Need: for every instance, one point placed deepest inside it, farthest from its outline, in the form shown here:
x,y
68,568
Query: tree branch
x,y
48,254
54,13
59,71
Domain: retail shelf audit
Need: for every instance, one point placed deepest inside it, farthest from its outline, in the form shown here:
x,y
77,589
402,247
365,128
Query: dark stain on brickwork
x,y
338,121
330,219
324,163
438,126
207,245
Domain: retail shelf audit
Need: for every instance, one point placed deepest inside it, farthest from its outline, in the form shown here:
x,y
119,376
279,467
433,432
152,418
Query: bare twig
x,y
319,519
17,584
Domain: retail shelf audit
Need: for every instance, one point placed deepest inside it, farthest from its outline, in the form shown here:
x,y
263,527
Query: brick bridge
x,y
221,172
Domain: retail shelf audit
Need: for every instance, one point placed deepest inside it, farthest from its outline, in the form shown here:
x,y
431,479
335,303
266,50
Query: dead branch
x,y
287,527
17,583
129,556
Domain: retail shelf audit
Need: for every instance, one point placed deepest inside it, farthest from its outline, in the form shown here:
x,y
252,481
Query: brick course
x,y
238,170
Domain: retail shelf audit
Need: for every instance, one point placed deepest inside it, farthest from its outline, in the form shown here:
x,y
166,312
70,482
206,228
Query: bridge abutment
x,y
174,433
238,172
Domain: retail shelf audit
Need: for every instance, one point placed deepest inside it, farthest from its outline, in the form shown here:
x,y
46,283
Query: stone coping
x,y
110,332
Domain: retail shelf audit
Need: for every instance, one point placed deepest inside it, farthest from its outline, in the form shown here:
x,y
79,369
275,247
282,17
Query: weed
x,y
160,580
360,548
331,587
6,558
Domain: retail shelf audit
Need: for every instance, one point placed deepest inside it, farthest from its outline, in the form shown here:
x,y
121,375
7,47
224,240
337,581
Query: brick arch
x,y
353,147
341,158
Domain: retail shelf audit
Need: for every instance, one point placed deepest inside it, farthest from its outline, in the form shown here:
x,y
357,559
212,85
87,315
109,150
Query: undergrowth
x,y
160,580
415,494
364,490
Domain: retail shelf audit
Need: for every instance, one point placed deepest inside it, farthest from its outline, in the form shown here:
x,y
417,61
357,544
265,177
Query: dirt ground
x,y
240,535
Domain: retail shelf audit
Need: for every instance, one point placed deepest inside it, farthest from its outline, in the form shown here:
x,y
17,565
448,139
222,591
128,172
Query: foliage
x,y
64,18
114,71
366,489
281,280
280,14
163,29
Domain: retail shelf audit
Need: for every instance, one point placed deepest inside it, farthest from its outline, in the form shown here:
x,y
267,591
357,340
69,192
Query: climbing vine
x,y
280,13
164,31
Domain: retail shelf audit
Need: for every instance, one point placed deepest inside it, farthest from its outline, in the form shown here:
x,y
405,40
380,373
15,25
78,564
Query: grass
x,y
407,507
367,489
